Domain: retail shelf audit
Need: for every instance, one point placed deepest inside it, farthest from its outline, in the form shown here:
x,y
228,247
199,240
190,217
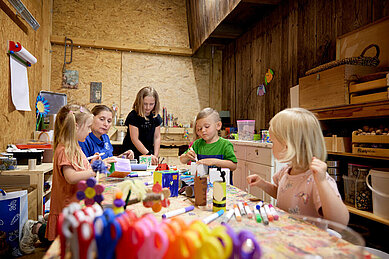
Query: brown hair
x,y
99,108
65,130
138,103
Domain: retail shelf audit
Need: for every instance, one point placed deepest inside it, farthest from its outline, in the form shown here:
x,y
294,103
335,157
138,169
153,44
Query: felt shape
x,y
90,192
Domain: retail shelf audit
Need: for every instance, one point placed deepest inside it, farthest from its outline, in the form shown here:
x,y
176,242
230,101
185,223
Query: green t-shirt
x,y
221,149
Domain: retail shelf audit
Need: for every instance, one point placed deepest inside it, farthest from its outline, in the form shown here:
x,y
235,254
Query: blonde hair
x,y
138,103
300,131
205,113
65,130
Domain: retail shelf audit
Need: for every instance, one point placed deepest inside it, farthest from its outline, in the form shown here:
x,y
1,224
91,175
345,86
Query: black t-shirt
x,y
146,130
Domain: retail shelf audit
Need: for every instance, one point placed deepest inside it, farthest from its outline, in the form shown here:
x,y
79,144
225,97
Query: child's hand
x,y
109,160
319,169
96,158
191,155
207,161
154,160
254,180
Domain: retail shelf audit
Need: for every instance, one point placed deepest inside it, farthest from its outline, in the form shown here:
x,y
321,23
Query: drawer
x,y
240,151
260,155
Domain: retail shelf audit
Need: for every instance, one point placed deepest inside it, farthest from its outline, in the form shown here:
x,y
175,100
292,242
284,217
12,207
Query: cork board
x,y
181,82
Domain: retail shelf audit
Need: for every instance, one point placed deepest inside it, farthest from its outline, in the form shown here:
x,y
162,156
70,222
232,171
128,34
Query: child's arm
x,y
332,206
72,176
219,163
134,134
268,187
157,143
188,156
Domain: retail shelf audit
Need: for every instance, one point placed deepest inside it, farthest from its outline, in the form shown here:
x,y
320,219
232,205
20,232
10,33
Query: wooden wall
x,y
19,125
140,29
204,16
297,36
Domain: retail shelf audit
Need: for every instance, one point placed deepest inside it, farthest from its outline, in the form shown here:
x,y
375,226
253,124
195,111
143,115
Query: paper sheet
x,y
19,85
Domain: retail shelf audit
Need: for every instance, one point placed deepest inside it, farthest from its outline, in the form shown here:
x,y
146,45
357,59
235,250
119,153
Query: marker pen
x,y
237,213
248,210
139,174
264,217
259,205
241,209
257,215
274,212
212,217
228,216
94,156
177,212
268,212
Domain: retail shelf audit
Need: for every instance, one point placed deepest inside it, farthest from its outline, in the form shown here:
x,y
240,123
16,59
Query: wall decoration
x,y
95,92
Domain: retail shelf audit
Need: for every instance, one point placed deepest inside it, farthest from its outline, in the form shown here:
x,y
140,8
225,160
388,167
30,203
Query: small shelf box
x,y
370,139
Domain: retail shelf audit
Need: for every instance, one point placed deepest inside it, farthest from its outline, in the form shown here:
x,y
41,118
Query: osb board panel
x,y
181,82
149,22
93,66
19,125
353,43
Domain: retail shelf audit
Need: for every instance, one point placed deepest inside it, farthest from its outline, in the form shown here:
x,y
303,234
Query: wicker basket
x,y
361,60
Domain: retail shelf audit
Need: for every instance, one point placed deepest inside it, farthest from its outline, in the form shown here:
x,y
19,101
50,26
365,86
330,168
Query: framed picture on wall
x,y
95,92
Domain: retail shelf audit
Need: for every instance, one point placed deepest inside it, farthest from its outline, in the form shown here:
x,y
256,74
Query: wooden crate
x,y
374,90
338,144
375,139
330,87
381,152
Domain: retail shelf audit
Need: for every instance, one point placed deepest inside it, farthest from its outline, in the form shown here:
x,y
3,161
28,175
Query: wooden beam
x,y
122,46
8,11
227,31
262,2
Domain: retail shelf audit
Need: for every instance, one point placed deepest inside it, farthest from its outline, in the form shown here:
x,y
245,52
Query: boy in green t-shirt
x,y
210,149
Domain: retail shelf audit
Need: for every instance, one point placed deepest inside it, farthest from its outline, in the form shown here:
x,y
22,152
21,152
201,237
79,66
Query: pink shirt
x,y
298,194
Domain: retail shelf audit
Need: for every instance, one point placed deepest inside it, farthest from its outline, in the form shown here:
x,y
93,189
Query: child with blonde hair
x,y
70,165
144,125
209,148
303,187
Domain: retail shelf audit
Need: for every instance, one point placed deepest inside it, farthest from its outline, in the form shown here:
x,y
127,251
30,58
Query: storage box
x,y
338,144
384,152
169,179
330,87
246,129
356,193
369,91
22,156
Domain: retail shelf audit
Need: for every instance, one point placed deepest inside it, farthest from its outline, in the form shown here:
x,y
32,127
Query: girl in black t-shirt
x,y
143,133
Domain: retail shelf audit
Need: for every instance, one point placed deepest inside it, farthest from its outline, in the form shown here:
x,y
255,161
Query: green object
x,y
258,216
257,136
112,168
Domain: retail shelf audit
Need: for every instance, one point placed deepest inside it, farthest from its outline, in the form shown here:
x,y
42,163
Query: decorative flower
x,y
157,205
90,191
118,203
42,106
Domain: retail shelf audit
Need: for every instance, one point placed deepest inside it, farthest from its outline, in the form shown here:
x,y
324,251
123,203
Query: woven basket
x,y
361,60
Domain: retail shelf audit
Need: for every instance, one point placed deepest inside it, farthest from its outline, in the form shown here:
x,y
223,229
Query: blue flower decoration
x,y
42,106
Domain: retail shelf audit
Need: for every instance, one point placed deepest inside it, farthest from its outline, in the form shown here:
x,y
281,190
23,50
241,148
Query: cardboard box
x,y
338,144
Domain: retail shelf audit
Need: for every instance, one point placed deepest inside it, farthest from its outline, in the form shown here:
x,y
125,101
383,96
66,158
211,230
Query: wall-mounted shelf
x,y
357,155
367,214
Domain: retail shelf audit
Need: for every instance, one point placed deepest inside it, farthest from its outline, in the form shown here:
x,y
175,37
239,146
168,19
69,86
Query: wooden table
x,y
286,238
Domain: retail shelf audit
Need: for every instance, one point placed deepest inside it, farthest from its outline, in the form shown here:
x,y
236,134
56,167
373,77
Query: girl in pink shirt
x,y
304,186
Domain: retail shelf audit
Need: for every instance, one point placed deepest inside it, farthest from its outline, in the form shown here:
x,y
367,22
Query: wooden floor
x,y
40,251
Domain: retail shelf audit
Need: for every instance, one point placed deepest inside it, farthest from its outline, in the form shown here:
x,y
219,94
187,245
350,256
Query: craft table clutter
x,y
280,235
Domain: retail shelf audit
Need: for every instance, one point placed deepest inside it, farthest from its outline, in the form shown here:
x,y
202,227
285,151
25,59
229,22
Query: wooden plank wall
x,y
297,36
204,16
19,125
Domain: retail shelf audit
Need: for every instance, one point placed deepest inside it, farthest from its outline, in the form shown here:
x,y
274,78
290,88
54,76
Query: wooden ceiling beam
x,y
227,31
262,2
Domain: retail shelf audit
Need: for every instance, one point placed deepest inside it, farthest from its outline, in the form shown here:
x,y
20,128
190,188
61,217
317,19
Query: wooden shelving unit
x,y
367,214
357,155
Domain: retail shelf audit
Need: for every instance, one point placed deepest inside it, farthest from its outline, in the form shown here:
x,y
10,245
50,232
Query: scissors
x,y
132,237
67,223
107,234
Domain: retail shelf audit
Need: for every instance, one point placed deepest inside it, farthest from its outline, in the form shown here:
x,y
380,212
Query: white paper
x,y
26,56
19,85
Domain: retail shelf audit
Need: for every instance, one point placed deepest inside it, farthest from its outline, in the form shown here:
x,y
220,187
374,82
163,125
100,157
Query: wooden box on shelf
x,y
338,144
370,139
329,87
372,90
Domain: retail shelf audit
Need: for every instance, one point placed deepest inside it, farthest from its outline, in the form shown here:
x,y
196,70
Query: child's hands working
x,y
319,169
208,161
254,180
191,155
154,160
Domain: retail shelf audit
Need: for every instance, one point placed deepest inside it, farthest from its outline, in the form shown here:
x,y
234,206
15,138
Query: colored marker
x,y
257,215
147,183
248,210
237,213
274,212
268,212
264,217
212,217
259,205
177,212
140,174
228,216
94,156
241,209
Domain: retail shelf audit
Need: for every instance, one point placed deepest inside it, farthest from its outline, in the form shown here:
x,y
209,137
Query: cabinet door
x,y
240,151
239,175
260,155
263,171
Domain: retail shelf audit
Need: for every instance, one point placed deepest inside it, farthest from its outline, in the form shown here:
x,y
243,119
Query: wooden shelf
x,y
357,155
47,192
352,111
367,215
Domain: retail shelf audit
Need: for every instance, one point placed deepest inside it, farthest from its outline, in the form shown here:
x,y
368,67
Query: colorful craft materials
x,y
273,212
248,210
177,212
145,159
259,205
241,208
212,217
159,199
264,216
162,167
138,167
237,213
118,203
219,196
98,167
90,192
257,215
94,156
228,216
268,212
200,190
168,179
141,174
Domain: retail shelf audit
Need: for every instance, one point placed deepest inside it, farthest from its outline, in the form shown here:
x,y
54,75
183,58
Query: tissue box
x,y
168,179
145,159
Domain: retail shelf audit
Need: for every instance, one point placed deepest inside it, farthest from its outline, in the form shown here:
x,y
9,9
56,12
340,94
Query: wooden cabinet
x,y
349,118
254,158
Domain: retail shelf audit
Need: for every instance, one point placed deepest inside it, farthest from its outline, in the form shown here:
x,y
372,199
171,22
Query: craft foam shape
x,y
168,179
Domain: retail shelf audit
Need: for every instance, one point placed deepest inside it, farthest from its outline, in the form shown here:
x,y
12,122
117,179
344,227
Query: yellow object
x,y
90,193
118,195
219,196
